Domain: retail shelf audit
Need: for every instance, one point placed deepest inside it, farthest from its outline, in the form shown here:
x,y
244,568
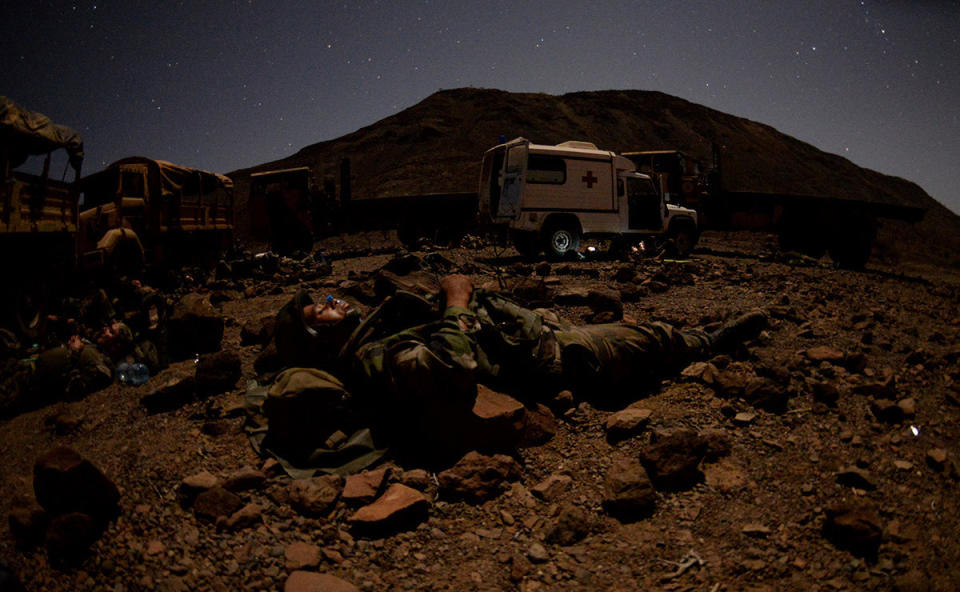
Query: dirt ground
x,y
755,521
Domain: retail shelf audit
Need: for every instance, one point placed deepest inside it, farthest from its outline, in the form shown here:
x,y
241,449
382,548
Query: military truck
x,y
38,213
809,224
552,196
139,210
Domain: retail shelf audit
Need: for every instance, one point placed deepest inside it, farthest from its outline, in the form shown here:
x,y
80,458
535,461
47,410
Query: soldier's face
x,y
109,334
326,313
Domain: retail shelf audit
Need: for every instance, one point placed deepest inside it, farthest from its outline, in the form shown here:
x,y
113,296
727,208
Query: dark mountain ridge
x,y
437,144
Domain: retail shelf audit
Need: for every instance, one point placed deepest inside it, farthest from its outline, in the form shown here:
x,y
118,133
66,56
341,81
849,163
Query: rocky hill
x,y
436,146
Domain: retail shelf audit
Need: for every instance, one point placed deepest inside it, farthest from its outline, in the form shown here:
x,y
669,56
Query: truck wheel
x,y
561,240
525,243
684,238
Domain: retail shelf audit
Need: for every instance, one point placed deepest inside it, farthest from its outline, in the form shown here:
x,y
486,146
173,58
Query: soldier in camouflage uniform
x,y
407,359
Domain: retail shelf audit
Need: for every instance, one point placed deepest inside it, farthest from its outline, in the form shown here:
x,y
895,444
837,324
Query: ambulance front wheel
x,y
560,240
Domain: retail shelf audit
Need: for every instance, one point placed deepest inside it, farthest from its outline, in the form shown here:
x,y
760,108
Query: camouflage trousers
x,y
619,356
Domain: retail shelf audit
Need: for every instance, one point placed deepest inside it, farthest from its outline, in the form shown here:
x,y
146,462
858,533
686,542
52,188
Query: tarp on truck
x,y
180,180
25,133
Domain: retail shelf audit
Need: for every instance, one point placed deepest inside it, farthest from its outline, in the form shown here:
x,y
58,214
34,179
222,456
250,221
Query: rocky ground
x,y
821,456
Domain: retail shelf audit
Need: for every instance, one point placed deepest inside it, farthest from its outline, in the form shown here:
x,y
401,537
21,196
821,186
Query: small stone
x,y
307,581
216,502
908,406
70,535
245,517
28,522
552,487
155,548
673,458
399,506
937,458
364,487
537,553
478,477
755,530
244,479
744,418
886,410
627,422
315,496
628,492
301,555
417,478
572,525
217,372
823,353
903,465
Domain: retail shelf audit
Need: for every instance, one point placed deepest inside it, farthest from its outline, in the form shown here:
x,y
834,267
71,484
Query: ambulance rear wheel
x,y
561,240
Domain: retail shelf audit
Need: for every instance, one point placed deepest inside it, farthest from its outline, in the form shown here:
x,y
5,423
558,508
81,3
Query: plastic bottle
x,y
134,374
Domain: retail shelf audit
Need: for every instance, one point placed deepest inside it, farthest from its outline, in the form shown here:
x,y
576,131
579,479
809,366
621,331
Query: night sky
x,y
222,85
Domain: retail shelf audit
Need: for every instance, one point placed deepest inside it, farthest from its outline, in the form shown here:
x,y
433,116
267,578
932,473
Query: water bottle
x,y
135,374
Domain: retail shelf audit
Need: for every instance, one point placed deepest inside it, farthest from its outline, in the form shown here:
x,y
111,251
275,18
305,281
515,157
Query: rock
x,y
766,394
856,528
195,484
572,525
537,553
63,482
551,488
672,460
755,530
364,487
825,392
418,479
307,581
627,490
703,372
908,407
400,506
903,465
573,296
258,331
244,479
172,393
315,496
216,502
194,327
28,522
886,410
744,418
478,477
300,555
217,372
627,422
730,384
245,517
70,535
498,420
539,426
605,301
937,458
823,353
855,477
65,420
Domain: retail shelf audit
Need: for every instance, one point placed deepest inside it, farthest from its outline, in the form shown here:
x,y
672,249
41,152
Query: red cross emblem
x,y
589,179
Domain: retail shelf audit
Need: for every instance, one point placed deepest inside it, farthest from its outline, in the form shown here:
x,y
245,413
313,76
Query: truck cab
x,y
550,197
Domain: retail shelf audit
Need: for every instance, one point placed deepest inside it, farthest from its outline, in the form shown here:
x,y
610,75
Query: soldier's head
x,y
115,339
332,319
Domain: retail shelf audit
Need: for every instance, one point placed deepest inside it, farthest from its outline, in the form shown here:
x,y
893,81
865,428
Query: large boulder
x,y
194,327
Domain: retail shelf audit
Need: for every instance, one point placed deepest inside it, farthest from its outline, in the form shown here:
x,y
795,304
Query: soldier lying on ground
x,y
75,369
411,371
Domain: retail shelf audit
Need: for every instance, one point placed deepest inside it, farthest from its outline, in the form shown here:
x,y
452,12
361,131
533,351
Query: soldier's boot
x,y
740,329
